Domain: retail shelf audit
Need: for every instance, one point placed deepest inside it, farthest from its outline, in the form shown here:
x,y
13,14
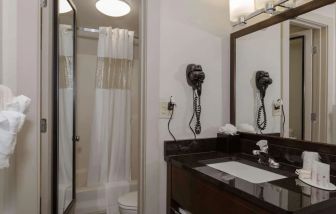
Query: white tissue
x,y
246,128
228,129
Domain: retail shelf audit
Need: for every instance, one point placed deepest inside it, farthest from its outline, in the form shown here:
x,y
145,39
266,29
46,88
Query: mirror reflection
x,y
65,105
288,72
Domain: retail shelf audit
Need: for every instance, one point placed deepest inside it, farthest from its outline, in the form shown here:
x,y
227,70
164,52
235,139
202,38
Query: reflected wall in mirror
x,y
299,56
66,113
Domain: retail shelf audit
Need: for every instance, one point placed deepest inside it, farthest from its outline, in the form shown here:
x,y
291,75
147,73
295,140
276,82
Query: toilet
x,y
128,203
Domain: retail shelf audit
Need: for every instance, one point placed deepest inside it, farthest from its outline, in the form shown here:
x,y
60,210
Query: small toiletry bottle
x,y
314,171
323,174
308,158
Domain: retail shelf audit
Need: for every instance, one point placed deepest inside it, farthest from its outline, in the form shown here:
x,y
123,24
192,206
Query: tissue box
x,y
228,143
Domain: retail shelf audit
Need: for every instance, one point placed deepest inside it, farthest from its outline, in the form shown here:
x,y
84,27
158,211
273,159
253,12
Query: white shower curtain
x,y
109,162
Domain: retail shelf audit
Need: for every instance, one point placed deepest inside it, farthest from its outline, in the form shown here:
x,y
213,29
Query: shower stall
x,y
98,99
109,100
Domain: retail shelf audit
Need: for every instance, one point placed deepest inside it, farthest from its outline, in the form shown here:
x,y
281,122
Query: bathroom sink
x,y
246,172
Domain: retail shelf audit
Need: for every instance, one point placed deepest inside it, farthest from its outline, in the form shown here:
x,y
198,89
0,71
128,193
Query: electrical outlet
x,y
276,108
164,112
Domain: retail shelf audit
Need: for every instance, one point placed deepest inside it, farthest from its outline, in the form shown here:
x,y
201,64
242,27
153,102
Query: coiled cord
x,y
197,109
170,119
284,119
262,113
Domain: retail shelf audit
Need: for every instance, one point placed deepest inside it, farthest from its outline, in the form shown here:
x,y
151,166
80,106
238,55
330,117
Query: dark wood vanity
x,y
200,197
194,186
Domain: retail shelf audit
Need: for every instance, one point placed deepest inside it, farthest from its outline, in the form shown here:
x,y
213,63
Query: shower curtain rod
x,y
94,30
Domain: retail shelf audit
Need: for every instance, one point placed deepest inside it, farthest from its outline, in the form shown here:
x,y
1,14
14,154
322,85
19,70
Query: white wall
x,y
8,62
28,147
1,37
259,51
20,64
8,27
194,32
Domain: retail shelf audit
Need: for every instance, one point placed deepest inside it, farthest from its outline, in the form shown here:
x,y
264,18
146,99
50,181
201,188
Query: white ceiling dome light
x,y
64,6
114,8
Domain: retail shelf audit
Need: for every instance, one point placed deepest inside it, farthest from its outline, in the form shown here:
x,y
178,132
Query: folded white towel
x,y
7,146
228,129
7,142
4,161
19,104
11,121
246,128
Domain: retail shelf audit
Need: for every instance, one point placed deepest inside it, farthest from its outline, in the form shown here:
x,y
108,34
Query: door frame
x,y
307,36
325,25
55,110
47,107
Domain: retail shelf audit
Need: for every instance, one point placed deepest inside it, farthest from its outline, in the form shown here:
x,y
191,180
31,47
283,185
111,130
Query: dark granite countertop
x,y
288,195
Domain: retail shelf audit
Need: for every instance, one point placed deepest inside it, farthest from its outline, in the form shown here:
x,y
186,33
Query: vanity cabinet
x,y
195,194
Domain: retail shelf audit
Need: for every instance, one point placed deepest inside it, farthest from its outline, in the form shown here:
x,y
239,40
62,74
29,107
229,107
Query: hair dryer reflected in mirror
x,y
195,78
263,80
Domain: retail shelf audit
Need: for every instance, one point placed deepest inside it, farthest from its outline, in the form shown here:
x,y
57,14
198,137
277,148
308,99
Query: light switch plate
x,y
164,112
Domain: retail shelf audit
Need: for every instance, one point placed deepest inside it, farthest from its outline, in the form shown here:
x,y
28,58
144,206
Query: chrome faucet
x,y
264,157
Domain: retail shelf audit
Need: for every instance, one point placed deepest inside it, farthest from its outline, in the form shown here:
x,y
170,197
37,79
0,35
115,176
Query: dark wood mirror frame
x,y
289,14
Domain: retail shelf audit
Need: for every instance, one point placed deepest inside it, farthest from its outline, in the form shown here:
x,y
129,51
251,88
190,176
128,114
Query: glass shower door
x,y
65,107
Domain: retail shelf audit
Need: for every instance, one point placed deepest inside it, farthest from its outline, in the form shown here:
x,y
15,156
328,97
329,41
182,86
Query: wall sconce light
x,y
114,8
239,9
268,5
243,10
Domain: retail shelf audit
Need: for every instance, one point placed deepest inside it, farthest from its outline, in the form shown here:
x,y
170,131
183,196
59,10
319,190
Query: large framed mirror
x,y
283,74
64,103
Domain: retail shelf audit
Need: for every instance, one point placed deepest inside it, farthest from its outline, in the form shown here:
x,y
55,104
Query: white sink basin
x,y
246,172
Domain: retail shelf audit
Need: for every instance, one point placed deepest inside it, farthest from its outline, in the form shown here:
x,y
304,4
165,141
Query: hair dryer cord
x,y
262,113
198,111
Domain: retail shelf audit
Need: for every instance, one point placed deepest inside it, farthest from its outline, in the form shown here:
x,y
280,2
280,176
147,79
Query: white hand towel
x,y
228,129
7,146
7,142
4,161
19,104
246,128
15,121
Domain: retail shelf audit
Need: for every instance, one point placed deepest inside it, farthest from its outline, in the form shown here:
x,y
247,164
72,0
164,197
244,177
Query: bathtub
x,y
91,200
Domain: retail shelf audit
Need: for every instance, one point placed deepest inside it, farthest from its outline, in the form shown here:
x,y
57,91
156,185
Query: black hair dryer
x,y
263,80
195,78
